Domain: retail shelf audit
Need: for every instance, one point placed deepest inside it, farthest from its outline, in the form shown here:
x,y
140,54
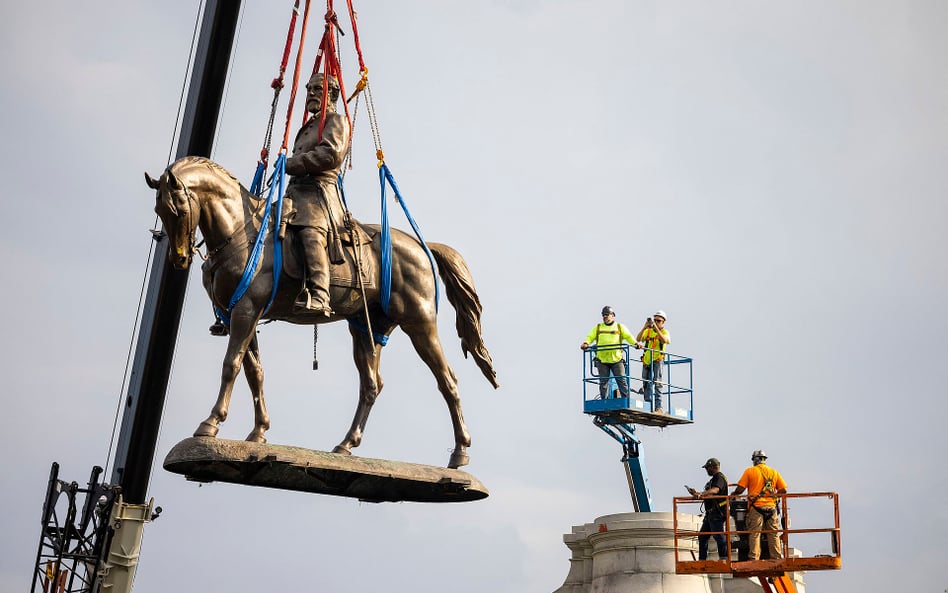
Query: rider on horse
x,y
314,209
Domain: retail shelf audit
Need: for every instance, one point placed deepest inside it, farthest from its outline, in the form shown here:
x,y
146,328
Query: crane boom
x,y
110,536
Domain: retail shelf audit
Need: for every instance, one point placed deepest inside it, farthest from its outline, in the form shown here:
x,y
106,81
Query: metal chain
x,y
315,338
373,121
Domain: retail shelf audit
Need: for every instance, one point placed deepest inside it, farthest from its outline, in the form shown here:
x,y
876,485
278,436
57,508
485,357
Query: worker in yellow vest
x,y
654,337
608,337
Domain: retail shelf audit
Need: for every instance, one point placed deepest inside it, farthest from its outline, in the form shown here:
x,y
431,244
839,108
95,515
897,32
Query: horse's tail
x,y
459,286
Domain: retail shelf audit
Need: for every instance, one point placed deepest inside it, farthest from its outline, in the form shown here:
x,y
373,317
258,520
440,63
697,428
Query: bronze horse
x,y
195,192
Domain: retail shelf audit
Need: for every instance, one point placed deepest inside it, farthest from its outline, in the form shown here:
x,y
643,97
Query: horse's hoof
x,y
458,458
339,449
206,429
219,329
256,438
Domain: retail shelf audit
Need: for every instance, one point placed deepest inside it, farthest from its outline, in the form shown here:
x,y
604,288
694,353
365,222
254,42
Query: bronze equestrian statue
x,y
195,192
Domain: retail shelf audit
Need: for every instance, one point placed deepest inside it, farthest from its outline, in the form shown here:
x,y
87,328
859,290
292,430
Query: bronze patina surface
x,y
206,459
196,193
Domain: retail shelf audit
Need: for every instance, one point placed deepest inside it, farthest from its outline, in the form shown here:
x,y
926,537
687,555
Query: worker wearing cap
x,y
762,482
654,337
608,337
715,510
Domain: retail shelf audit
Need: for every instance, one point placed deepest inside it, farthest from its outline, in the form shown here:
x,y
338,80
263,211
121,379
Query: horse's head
x,y
179,211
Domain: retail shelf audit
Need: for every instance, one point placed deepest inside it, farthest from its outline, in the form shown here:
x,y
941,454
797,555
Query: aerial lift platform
x,y
815,509
618,416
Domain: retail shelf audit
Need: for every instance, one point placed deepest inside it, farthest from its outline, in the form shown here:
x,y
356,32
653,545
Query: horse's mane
x,y
190,165
189,161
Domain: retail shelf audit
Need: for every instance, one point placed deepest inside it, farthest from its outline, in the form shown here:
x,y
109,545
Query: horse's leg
x,y
424,337
242,332
366,354
253,371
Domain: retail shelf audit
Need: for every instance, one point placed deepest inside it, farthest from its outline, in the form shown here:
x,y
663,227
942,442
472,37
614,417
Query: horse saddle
x,y
341,274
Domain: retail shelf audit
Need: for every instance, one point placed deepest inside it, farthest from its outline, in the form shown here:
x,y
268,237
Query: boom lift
x,y
618,416
772,573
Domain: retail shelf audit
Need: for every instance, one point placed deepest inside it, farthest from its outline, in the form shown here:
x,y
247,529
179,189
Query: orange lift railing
x,y
813,510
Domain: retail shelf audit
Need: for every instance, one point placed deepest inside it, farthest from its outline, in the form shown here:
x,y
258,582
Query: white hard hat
x,y
661,314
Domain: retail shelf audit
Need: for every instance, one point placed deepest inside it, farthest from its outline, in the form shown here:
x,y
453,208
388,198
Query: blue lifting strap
x,y
386,175
277,182
380,339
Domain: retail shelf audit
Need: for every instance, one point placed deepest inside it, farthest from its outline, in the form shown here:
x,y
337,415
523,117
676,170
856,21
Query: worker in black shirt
x,y
714,510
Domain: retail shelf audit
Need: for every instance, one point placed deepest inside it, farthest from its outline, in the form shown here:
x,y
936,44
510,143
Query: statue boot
x,y
315,295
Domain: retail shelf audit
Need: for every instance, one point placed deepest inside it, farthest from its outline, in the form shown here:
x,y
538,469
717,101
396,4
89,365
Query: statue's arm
x,y
328,154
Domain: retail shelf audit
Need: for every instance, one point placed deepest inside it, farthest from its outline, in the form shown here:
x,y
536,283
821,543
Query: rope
x,y
229,77
277,85
151,247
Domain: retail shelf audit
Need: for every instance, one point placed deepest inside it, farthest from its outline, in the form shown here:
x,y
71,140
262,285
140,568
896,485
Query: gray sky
x,y
768,173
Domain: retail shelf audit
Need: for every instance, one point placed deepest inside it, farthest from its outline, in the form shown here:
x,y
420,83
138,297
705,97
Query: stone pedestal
x,y
635,553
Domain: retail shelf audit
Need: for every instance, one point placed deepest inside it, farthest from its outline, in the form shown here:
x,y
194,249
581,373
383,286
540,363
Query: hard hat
x,y
759,453
713,462
607,310
661,314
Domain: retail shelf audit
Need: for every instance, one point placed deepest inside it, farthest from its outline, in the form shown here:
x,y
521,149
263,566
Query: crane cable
x,y
277,85
151,248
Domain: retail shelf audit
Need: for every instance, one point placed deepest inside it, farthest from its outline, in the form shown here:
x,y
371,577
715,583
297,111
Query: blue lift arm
x,y
634,460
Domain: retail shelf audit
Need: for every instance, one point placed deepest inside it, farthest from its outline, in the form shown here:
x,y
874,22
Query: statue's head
x,y
314,91
179,216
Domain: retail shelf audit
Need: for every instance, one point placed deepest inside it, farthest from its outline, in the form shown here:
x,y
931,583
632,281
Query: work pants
x,y
713,521
652,382
757,522
617,370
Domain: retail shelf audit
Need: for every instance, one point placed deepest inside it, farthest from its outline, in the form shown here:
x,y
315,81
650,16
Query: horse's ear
x,y
173,181
152,183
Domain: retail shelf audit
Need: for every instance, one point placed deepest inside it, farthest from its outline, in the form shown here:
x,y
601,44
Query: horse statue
x,y
195,192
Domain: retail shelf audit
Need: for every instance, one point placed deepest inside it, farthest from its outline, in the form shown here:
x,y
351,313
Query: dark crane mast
x,y
74,552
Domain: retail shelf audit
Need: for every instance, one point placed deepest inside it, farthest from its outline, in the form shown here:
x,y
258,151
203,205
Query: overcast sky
x,y
771,174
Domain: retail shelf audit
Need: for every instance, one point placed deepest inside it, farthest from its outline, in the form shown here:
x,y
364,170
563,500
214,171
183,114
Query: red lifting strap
x,y
355,35
296,78
327,53
278,81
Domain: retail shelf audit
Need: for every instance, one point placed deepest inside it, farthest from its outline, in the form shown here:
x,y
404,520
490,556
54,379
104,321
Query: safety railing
x,y
675,388
813,510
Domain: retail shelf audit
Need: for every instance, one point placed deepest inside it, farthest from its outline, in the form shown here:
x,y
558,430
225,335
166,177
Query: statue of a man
x,y
314,208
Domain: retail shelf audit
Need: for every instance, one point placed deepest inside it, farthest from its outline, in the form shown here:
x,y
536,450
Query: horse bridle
x,y
192,248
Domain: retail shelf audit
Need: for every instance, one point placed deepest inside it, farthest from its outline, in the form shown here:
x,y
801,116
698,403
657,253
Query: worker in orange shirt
x,y
762,483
